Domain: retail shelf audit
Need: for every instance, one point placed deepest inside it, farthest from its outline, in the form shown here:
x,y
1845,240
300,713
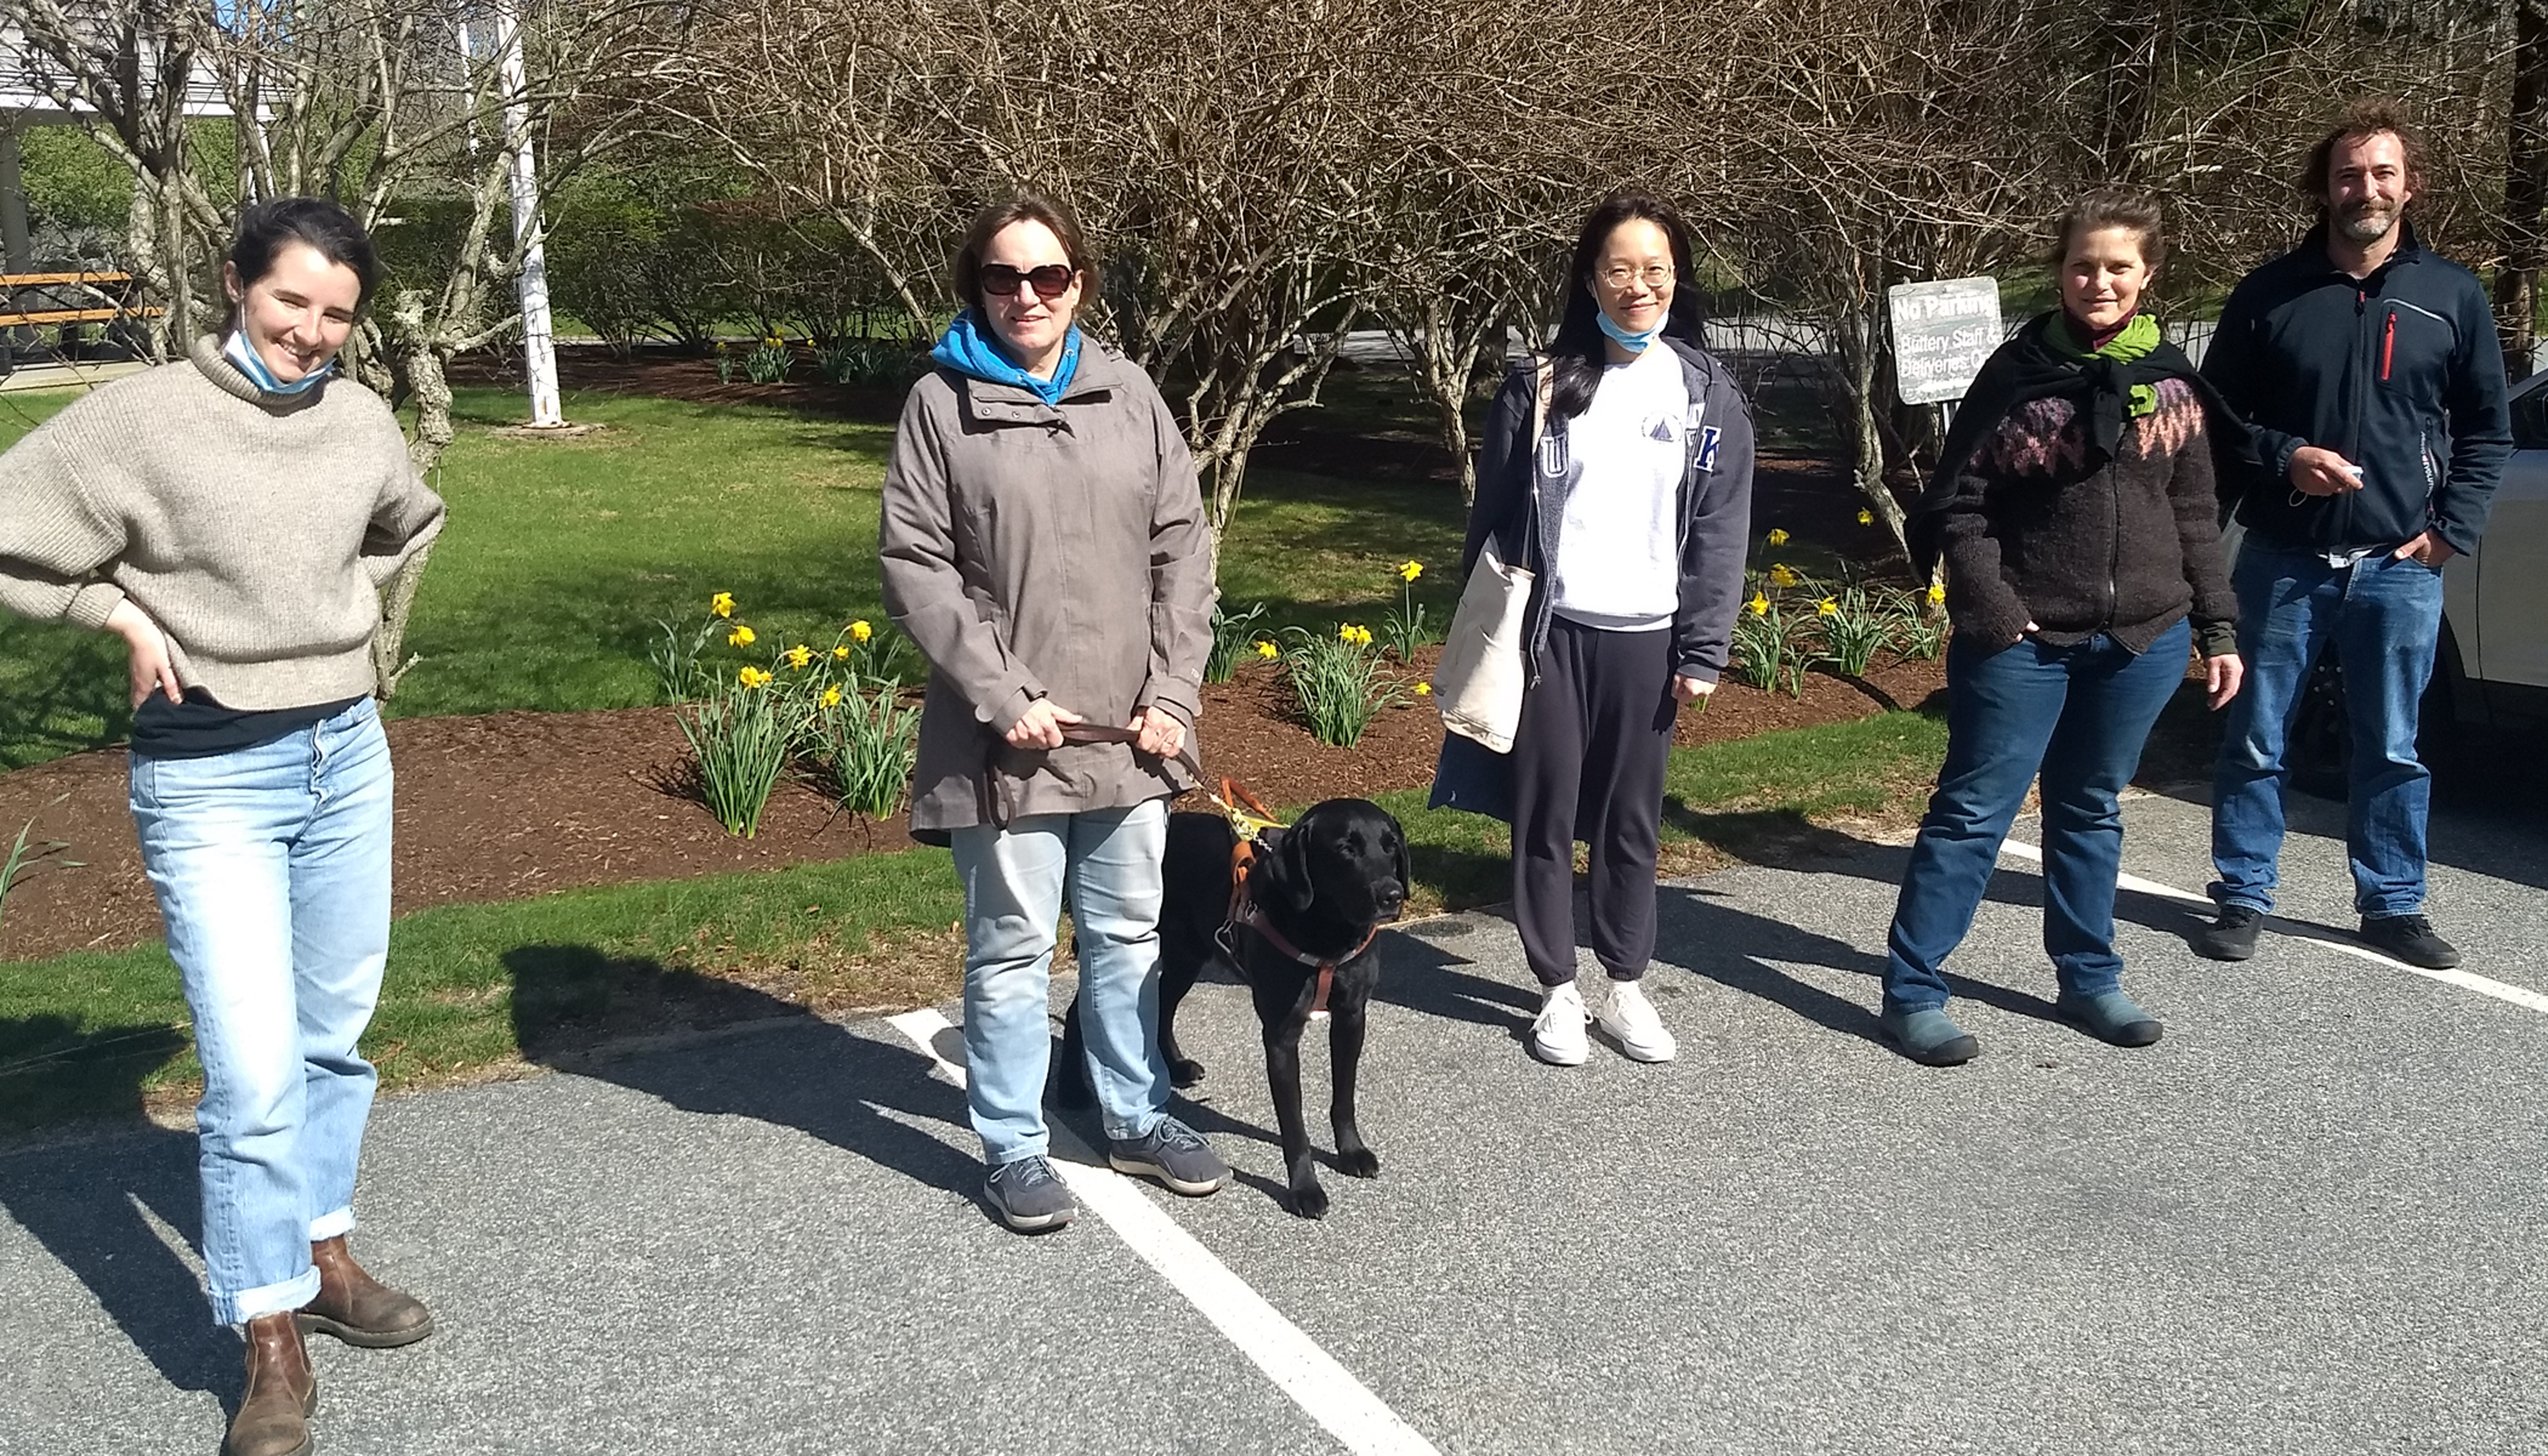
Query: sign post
x,y
1942,333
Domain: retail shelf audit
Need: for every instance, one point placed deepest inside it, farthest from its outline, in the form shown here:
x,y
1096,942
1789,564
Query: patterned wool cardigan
x,y
2042,528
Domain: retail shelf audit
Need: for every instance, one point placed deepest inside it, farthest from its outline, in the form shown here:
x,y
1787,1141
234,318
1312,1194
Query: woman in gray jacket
x,y
1044,544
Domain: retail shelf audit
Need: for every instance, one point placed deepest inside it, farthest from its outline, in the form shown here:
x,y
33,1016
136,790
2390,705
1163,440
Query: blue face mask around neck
x,y
1634,343
243,354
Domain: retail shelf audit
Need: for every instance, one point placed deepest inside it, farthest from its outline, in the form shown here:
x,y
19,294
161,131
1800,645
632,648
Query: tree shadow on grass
x,y
582,1010
63,692
90,1198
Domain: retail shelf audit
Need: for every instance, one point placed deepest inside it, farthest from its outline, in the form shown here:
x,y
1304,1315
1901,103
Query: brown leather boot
x,y
282,1392
358,1309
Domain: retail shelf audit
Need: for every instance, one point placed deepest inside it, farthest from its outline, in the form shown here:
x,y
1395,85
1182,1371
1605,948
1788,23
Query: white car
x,y
2492,671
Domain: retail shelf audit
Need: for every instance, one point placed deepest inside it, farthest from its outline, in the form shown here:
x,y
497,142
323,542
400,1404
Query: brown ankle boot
x,y
282,1392
358,1309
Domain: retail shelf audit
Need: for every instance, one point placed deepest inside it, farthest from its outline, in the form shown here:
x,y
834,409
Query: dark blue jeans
x,y
2385,616
2078,714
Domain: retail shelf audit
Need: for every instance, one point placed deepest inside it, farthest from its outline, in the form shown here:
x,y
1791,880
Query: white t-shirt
x,y
1618,565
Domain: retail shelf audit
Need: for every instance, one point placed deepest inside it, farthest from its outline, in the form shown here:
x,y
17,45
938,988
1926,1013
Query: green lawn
x,y
475,987
562,555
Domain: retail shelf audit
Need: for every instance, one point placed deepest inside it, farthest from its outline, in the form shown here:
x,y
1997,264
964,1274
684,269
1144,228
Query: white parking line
x,y
2527,1000
1323,1389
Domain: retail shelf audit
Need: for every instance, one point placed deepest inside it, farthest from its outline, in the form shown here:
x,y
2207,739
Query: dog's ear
x,y
1292,866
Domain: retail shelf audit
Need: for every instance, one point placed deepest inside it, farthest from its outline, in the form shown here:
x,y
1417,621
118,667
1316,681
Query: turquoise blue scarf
x,y
974,352
243,354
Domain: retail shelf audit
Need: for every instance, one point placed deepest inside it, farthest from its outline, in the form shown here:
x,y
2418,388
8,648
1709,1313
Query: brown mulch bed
x,y
514,805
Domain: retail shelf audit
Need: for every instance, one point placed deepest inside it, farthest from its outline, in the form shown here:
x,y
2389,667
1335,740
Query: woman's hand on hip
x,y
146,653
1161,735
1687,690
1042,726
2221,678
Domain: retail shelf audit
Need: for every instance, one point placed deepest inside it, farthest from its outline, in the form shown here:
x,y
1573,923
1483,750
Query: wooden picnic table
x,y
15,316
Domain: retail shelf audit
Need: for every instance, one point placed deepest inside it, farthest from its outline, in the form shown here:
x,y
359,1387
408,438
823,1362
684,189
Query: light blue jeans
x,y
272,869
1108,861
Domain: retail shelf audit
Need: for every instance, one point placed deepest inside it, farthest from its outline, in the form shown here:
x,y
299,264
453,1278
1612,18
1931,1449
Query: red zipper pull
x,y
2388,344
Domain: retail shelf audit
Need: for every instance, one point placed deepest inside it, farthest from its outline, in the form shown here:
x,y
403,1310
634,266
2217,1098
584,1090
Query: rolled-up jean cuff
x,y
328,1225
272,1299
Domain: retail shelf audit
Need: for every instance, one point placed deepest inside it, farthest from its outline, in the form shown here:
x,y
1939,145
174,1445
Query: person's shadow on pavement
x,y
578,1009
91,1200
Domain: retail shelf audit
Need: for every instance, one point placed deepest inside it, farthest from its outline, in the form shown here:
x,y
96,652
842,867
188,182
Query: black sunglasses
x,y
1051,281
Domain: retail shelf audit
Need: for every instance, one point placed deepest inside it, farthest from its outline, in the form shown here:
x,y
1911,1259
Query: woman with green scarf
x,y
2075,513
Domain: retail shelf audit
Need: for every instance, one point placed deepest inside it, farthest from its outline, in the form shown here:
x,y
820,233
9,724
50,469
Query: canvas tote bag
x,y
1478,683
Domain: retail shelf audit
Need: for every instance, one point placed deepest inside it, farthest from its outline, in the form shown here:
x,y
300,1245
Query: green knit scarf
x,y
2139,338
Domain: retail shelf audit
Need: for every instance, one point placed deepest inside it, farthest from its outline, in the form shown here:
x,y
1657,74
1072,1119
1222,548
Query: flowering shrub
x,y
835,711
1338,681
1919,621
769,361
1404,627
741,747
1855,628
1773,644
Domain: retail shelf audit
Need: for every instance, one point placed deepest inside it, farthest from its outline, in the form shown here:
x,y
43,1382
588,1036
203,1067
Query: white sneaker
x,y
1631,1019
1557,1035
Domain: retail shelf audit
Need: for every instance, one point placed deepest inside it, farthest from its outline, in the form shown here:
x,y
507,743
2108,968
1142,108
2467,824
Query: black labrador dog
x,y
1319,892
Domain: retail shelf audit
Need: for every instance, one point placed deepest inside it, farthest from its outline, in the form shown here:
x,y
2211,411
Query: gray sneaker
x,y
1029,1196
1174,1153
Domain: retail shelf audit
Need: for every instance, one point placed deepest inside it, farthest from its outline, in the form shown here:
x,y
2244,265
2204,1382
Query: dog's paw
x,y
1310,1201
1185,1071
1362,1162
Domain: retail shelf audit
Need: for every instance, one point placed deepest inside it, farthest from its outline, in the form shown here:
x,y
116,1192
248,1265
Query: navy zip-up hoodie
x,y
2399,373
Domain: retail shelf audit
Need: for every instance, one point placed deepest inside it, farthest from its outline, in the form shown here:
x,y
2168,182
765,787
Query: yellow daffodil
x,y
800,655
1409,570
1778,537
1866,517
1759,605
1937,595
840,653
741,636
1362,636
1267,650
1423,689
752,677
859,631
831,697
1826,608
1784,575
722,603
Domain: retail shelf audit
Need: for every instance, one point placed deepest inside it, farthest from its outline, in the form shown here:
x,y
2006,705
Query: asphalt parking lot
x,y
2310,1220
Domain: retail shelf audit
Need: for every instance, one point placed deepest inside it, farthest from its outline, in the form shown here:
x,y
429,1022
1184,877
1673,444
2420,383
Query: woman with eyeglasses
x,y
233,516
1632,504
1043,543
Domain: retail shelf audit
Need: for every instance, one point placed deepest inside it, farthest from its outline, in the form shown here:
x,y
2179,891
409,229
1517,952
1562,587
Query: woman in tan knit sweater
x,y
233,516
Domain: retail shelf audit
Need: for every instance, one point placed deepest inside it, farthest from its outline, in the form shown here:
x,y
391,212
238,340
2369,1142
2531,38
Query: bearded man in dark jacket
x,y
2370,373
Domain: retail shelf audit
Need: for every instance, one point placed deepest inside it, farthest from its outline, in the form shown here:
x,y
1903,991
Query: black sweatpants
x,y
1588,765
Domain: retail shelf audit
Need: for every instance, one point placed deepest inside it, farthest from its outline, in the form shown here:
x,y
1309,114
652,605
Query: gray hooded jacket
x,y
1036,549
